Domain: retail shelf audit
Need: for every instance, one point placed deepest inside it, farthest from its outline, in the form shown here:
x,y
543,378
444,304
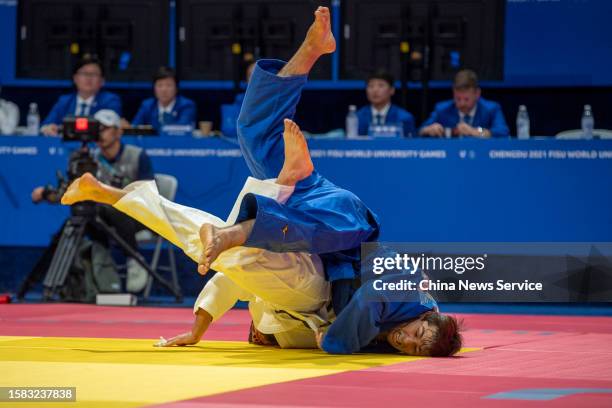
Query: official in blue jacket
x,y
467,114
381,111
88,78
167,108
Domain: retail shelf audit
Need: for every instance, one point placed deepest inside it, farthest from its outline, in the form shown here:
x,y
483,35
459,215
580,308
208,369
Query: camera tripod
x,y
83,216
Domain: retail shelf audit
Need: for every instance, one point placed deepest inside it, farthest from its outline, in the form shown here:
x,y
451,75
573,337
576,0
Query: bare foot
x,y
85,188
319,36
298,164
319,40
214,241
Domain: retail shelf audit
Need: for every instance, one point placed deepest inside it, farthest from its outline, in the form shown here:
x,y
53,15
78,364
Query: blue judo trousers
x,y
320,217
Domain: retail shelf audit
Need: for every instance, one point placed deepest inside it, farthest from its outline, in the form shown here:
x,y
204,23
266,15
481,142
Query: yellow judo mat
x,y
129,373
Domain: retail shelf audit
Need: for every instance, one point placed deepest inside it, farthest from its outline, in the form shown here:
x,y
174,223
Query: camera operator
x,y
119,165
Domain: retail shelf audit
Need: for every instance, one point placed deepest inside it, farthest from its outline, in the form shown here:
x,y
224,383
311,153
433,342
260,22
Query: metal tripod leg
x,y
63,258
139,258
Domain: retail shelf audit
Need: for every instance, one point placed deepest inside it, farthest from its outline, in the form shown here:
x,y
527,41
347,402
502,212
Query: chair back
x,y
166,185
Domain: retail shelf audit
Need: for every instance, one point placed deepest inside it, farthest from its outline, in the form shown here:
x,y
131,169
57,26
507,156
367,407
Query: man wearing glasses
x,y
88,78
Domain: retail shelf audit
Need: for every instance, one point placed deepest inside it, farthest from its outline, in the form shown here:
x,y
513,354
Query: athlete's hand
x,y
185,339
200,325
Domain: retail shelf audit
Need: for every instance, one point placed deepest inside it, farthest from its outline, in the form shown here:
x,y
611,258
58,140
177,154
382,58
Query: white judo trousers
x,y
284,290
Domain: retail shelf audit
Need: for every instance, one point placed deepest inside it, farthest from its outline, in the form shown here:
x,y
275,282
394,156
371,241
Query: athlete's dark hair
x,y
447,339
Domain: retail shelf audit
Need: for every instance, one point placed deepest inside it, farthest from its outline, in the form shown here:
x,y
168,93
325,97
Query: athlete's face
x,y
412,338
465,99
379,92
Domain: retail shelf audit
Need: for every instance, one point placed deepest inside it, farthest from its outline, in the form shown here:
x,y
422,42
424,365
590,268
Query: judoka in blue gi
x,y
319,217
286,238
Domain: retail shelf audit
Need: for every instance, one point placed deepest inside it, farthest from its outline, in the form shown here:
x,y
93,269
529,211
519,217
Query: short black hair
x,y
88,59
447,339
163,73
384,75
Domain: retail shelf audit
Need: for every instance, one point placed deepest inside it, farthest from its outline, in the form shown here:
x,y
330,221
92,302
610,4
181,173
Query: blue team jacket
x,y
395,115
66,106
488,115
183,113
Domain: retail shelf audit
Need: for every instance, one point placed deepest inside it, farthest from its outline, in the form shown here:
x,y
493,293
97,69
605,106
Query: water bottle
x,y
588,122
352,123
33,120
522,123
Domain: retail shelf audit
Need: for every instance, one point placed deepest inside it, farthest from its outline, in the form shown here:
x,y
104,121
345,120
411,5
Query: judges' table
x,y
422,190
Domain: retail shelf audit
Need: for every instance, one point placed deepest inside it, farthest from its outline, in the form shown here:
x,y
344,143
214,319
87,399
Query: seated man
x,y
118,165
167,107
280,269
467,114
88,78
9,116
380,88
